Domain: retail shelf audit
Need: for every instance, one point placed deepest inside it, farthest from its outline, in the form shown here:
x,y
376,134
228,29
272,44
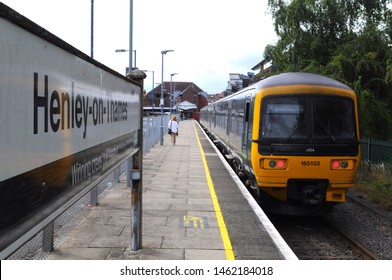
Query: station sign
x,y
65,121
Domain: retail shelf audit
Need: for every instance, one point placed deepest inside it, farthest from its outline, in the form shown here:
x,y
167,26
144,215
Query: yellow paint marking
x,y
195,222
221,222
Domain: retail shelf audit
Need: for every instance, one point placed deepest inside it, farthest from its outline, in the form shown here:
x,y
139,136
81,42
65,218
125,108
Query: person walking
x,y
173,127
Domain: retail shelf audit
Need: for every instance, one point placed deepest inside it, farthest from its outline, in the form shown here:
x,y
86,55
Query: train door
x,y
229,111
214,115
245,133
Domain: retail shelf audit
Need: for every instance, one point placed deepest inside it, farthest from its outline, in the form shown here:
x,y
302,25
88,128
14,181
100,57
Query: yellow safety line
x,y
221,222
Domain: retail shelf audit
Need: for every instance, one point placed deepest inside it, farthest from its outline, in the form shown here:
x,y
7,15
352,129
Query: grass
x,y
375,183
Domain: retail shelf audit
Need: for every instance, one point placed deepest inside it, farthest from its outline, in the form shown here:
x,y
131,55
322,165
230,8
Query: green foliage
x,y
375,182
348,40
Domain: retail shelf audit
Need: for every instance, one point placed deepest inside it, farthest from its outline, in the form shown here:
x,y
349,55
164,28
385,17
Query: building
x,y
184,98
263,68
237,82
215,97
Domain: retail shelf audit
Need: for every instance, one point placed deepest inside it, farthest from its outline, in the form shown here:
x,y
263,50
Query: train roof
x,y
290,79
300,78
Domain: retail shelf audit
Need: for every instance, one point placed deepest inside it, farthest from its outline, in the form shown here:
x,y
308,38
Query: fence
x,y
152,132
376,151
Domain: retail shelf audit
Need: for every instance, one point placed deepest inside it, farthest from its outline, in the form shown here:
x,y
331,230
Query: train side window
x,y
247,106
246,124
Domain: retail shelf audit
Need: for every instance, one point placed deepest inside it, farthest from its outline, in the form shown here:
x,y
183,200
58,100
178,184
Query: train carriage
x,y
293,138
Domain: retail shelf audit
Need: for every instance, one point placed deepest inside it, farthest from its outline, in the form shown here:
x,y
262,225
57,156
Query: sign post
x,y
136,173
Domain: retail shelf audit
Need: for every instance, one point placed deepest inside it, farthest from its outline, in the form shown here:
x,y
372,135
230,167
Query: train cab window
x,y
333,118
284,118
315,118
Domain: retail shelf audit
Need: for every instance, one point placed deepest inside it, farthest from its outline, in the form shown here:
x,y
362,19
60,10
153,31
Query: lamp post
x,y
92,29
162,101
152,94
134,51
131,35
175,100
171,91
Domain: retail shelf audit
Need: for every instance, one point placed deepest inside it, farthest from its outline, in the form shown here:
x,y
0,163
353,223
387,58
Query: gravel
x,y
366,227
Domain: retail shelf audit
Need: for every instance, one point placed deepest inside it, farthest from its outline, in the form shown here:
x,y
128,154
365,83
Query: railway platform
x,y
193,208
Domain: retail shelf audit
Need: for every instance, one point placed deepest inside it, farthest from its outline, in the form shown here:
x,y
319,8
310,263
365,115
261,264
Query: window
x,y
333,118
284,117
318,118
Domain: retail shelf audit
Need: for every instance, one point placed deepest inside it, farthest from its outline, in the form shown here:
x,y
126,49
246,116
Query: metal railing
x,y
376,151
151,131
42,243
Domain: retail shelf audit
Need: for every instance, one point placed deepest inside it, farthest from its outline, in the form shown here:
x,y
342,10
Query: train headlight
x,y
335,164
272,164
342,164
281,164
276,164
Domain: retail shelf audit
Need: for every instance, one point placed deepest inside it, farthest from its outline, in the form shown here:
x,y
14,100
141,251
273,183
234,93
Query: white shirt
x,y
173,125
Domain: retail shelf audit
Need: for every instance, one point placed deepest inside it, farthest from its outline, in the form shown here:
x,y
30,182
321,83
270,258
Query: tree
x,y
348,40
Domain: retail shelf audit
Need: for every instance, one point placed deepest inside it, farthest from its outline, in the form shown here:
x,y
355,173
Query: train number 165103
x,y
310,163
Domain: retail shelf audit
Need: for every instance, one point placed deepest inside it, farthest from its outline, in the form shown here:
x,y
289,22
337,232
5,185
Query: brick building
x,y
184,98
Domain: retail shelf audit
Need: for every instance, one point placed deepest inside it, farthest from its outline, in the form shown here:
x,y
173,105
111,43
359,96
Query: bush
x,y
375,182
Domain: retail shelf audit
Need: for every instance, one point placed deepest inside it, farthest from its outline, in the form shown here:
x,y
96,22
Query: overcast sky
x,y
210,38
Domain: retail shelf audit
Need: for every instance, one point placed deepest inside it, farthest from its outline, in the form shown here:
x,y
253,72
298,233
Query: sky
x,y
210,38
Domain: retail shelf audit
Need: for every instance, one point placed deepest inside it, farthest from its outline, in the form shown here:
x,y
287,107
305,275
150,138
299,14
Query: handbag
x,y
169,129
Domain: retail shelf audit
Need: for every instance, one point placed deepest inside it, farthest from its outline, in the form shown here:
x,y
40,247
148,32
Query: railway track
x,y
358,200
314,238
356,230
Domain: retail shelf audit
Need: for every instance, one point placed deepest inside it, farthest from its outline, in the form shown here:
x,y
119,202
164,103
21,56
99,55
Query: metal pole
x,y
174,100
152,91
153,84
161,103
162,100
92,28
171,93
136,174
130,34
135,58
136,200
128,167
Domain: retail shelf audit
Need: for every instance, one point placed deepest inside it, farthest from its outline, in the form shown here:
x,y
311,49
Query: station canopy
x,y
186,106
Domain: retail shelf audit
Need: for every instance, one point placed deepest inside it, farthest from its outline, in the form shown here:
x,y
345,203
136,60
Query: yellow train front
x,y
293,138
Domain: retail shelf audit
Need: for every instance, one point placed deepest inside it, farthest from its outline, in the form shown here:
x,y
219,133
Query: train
x,y
292,138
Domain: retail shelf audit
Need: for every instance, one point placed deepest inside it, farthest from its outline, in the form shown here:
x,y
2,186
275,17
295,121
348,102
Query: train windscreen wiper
x,y
326,130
